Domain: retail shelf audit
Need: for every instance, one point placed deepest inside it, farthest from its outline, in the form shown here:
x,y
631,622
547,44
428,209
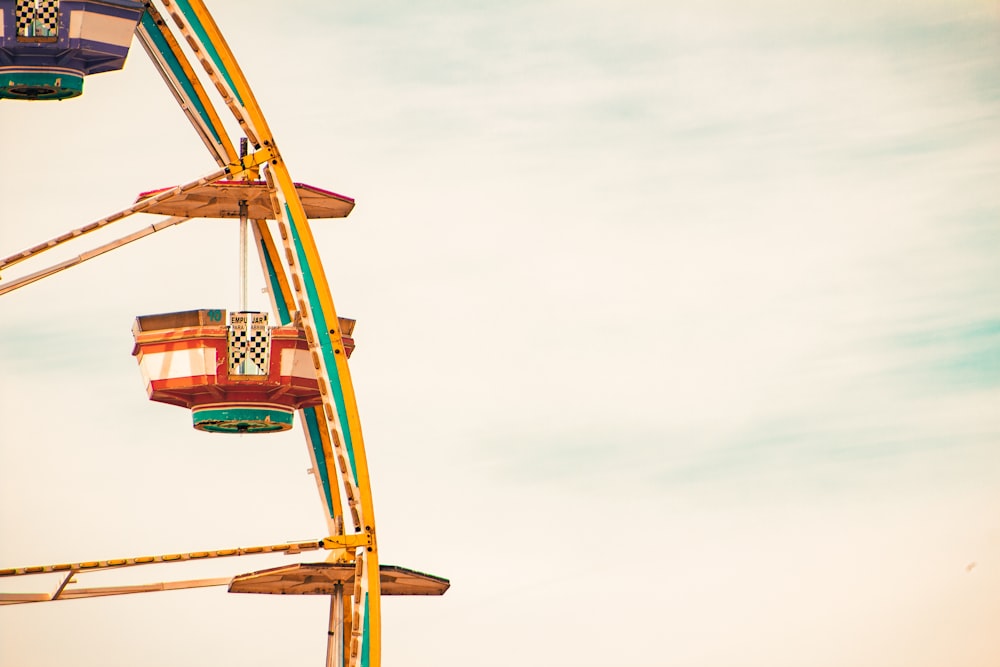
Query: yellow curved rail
x,y
306,291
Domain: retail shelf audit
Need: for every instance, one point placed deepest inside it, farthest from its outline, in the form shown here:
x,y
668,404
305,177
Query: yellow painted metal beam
x,y
116,563
225,151
249,163
354,541
252,119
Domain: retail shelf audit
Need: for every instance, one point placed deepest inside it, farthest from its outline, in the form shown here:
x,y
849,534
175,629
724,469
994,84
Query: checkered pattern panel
x,y
237,349
24,14
47,17
37,18
249,344
257,349
237,342
259,343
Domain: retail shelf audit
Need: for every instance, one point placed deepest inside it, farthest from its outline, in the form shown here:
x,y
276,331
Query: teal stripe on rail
x,y
199,30
284,316
313,436
366,638
155,33
323,333
316,442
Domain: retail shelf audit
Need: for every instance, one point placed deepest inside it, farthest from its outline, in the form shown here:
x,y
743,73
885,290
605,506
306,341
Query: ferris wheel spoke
x,y
90,254
233,169
191,25
119,563
175,69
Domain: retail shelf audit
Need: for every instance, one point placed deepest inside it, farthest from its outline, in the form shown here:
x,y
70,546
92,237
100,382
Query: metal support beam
x,y
83,257
234,169
335,635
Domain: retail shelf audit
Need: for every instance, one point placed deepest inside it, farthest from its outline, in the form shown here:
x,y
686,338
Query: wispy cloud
x,y
701,301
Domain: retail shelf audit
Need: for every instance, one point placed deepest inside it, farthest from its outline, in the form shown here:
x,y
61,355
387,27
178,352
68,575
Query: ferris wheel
x,y
237,371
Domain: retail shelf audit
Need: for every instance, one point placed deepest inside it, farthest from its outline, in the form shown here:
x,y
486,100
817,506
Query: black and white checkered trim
x,y
257,349
37,18
249,344
237,349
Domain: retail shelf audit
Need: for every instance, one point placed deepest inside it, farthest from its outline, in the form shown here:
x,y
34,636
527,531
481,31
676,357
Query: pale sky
x,y
678,337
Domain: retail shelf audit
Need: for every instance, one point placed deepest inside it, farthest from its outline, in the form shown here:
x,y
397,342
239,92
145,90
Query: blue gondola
x,y
48,46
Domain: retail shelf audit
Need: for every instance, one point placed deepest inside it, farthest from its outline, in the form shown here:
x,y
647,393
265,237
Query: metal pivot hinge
x,y
250,161
355,541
